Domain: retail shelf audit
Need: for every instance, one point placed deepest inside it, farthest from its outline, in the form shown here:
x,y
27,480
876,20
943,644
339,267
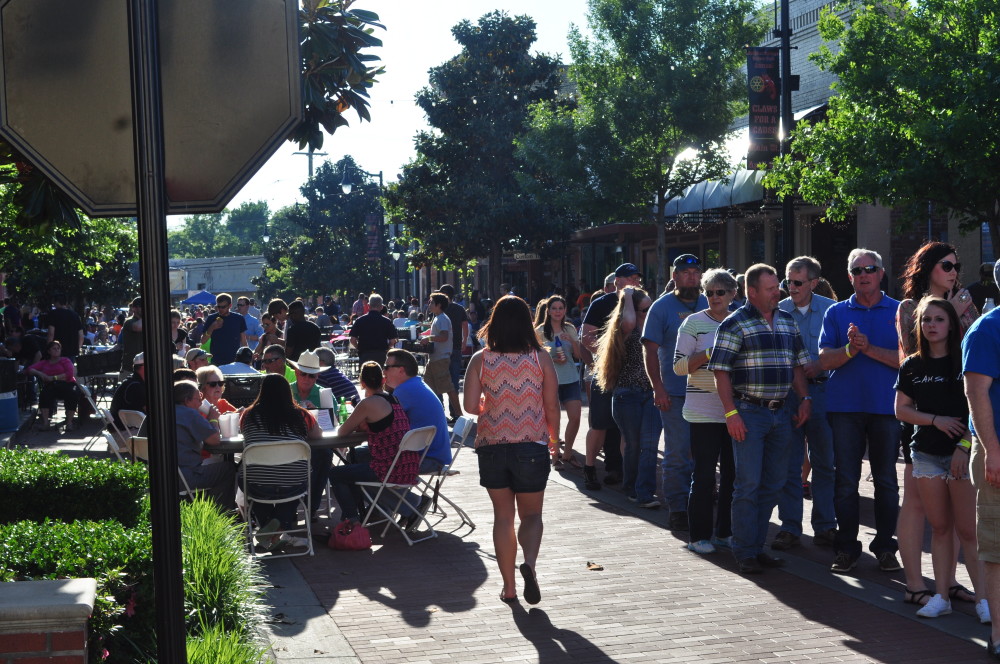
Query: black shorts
x,y
521,467
600,409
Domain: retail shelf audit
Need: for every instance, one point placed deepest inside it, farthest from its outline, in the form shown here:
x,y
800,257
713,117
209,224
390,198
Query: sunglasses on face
x,y
642,311
867,269
716,293
269,360
948,266
215,383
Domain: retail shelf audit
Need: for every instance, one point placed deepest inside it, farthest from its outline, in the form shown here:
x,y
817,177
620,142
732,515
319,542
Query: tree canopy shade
x,y
916,114
337,72
460,197
658,86
321,247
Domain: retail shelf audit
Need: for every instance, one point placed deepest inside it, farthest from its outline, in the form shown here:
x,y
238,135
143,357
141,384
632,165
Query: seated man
x,y
193,432
130,395
241,365
273,361
197,358
332,378
423,409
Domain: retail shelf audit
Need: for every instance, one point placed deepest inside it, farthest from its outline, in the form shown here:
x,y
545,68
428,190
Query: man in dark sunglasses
x,y
859,346
659,338
802,274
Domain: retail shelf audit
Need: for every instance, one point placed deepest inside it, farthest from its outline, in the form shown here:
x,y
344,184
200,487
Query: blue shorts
x,y
570,392
934,465
520,467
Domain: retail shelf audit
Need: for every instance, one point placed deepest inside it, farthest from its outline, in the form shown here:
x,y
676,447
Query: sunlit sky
x,y
417,37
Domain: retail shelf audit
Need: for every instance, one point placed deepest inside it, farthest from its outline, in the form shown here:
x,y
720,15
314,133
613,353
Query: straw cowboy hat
x,y
308,363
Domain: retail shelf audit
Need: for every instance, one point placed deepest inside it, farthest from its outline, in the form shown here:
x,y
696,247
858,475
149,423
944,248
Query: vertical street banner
x,y
374,246
764,88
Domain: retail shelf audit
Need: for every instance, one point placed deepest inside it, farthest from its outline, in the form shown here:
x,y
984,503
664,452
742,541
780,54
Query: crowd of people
x,y
765,388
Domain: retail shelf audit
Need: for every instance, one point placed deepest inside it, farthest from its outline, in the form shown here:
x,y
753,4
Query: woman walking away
x,y
930,395
711,443
555,327
933,270
513,389
621,371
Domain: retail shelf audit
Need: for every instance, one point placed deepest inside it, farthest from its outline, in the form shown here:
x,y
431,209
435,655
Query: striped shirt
x,y
697,334
760,358
288,474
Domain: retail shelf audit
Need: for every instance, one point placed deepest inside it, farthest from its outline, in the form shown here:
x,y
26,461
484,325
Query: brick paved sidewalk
x,y
653,602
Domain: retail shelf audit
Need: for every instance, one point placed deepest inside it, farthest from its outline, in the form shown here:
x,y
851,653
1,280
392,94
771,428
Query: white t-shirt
x,y
442,349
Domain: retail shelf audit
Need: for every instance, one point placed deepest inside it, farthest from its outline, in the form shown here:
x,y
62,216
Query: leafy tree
x,y
322,247
657,88
238,232
914,117
336,76
460,197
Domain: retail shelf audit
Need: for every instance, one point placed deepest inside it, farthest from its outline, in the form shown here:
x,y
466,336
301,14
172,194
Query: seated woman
x,y
274,415
380,414
58,378
212,384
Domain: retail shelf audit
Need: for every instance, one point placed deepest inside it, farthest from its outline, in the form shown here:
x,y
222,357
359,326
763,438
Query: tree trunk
x,y
496,270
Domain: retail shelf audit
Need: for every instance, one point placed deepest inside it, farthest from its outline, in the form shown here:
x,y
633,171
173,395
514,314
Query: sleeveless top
x,y
384,444
513,411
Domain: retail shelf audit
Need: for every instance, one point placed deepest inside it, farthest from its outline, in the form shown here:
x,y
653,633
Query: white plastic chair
x,y
139,446
277,463
132,419
388,497
113,445
463,431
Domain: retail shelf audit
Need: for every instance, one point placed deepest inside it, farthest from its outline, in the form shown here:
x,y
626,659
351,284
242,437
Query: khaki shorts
x,y
438,376
987,507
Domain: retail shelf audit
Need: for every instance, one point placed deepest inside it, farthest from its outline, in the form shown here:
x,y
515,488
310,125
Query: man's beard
x,y
689,293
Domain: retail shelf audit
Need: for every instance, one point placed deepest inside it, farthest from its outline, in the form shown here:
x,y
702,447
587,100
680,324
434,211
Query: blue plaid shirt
x,y
760,358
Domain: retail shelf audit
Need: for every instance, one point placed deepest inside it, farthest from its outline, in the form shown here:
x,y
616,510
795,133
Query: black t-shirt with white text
x,y
937,389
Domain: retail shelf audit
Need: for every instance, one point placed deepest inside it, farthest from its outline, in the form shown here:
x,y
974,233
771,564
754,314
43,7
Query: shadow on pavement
x,y
555,644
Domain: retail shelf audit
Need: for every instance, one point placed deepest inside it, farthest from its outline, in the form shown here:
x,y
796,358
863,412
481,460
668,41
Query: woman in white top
x,y
710,440
554,326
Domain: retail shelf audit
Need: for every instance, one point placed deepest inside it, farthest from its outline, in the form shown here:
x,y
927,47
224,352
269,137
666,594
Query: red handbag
x,y
350,536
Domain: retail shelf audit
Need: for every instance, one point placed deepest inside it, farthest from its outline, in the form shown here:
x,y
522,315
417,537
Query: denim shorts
x,y
520,467
600,409
570,392
934,465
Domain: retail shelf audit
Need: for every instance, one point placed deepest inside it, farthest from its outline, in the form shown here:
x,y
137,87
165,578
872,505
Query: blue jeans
x,y
761,464
343,481
319,469
852,434
455,368
817,432
677,466
639,423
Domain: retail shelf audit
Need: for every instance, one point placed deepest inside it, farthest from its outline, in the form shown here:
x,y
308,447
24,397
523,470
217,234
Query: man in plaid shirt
x,y
757,358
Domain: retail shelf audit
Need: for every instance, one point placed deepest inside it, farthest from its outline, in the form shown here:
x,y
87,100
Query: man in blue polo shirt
x,y
423,409
226,329
859,346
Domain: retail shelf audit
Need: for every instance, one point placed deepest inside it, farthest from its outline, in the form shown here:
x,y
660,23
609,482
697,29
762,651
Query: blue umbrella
x,y
203,297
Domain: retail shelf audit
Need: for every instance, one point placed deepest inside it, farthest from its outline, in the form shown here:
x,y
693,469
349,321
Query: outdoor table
x,y
330,440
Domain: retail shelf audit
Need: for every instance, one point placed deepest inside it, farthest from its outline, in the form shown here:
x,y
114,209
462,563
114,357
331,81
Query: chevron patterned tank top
x,y
512,388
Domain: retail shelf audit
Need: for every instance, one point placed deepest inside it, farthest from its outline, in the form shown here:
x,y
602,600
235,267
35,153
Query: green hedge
x,y
222,586
35,485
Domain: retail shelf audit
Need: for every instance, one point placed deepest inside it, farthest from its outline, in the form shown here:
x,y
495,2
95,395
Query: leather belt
x,y
770,404
818,381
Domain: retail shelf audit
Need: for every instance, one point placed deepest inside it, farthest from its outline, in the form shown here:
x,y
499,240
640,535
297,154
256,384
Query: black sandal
x,y
918,597
508,600
954,591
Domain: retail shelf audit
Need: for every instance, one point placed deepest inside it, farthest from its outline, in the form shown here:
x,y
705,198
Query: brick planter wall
x,y
45,621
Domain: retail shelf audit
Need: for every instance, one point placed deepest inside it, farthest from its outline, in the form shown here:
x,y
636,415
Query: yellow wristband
x,y
964,444
731,413
708,353
847,349
214,421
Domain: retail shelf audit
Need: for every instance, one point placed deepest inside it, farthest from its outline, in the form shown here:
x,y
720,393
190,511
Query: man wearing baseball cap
x,y
130,395
197,358
603,430
659,337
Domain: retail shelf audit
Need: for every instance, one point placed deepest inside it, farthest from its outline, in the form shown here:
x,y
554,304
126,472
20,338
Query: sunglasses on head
x,y
690,260
948,266
716,293
215,383
867,269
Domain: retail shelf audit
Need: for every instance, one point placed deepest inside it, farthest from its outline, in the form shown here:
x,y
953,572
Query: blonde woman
x,y
622,372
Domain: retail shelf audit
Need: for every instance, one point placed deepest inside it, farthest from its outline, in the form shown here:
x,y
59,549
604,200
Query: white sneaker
x,y
983,611
701,546
936,606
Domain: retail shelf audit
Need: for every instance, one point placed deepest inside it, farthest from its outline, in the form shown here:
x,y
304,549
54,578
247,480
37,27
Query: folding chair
x,y
415,440
132,419
139,447
112,445
463,431
277,463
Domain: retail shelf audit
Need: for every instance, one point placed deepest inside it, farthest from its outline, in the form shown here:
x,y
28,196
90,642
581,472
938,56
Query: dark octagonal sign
x,y
231,94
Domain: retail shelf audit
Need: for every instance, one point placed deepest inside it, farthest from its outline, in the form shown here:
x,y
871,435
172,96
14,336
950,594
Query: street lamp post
x,y
347,185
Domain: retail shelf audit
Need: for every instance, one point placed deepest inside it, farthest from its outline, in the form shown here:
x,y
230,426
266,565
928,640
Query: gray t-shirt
x,y
192,429
442,349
